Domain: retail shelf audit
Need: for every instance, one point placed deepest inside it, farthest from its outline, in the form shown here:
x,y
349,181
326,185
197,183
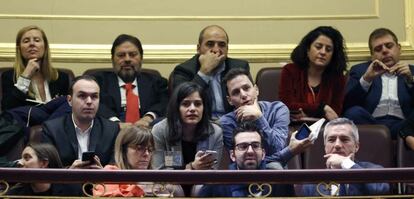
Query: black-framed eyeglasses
x,y
142,149
256,146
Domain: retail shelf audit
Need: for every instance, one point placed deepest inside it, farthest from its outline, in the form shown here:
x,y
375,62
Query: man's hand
x,y
249,112
32,67
123,125
79,164
334,161
210,60
144,121
402,69
375,69
330,114
298,146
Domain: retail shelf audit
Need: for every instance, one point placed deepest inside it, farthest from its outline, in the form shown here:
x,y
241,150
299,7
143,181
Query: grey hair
x,y
340,121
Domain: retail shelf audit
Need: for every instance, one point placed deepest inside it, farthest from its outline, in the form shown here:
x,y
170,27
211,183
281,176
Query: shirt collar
x,y
77,129
121,82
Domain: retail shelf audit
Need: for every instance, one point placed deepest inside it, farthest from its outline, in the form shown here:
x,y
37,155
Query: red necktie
x,y
132,105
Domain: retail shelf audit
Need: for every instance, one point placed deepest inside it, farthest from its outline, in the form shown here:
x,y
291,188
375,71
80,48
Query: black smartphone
x,y
88,156
303,132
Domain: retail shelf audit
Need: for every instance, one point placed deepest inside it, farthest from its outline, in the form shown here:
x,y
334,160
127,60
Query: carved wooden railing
x,y
315,176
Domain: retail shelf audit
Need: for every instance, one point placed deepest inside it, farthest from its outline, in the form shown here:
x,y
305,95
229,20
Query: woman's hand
x,y
203,161
32,67
297,115
330,114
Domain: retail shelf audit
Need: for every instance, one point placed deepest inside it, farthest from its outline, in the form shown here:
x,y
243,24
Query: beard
x,y
127,76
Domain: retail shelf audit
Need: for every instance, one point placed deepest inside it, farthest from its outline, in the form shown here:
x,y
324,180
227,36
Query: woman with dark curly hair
x,y
313,85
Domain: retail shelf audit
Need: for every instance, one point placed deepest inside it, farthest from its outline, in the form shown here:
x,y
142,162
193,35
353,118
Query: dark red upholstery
x,y
375,146
405,156
268,80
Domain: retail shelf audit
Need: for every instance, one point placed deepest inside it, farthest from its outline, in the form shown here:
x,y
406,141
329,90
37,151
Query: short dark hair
x,y
173,112
47,152
82,77
124,38
247,126
380,32
339,60
201,35
233,73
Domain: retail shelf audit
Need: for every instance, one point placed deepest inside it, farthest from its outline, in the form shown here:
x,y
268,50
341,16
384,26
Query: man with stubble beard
x,y
381,91
150,90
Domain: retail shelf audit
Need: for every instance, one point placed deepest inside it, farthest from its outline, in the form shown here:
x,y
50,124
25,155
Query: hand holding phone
x,y
88,156
303,132
212,154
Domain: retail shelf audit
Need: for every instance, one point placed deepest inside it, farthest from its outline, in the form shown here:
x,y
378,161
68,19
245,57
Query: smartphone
x,y
88,156
303,132
212,153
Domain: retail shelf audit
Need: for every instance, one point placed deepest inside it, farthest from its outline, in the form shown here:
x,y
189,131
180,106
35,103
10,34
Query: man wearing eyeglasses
x,y
381,91
272,118
247,154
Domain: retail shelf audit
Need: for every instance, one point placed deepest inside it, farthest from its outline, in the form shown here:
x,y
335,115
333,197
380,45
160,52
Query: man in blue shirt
x,y
272,118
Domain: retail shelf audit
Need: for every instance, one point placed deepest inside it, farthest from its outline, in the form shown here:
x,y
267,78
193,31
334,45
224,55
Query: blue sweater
x,y
274,124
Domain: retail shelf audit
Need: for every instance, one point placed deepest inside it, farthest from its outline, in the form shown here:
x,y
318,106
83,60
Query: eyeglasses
x,y
256,146
142,149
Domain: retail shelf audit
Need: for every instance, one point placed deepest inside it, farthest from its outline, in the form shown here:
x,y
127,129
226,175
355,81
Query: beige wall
x,y
262,31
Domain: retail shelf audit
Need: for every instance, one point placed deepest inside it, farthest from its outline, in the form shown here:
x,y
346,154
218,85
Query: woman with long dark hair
x,y
187,137
314,84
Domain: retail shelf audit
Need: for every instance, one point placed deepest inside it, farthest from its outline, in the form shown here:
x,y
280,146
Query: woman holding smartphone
x,y
186,135
314,84
33,78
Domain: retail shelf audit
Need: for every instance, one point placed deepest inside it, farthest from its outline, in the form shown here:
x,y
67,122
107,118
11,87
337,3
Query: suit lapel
x,y
376,88
143,91
95,135
71,134
114,91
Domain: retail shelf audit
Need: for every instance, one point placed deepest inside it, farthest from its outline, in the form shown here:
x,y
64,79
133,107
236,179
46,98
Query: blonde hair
x,y
131,135
46,68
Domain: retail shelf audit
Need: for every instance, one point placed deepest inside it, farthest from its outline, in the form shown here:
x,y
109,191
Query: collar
x,y
77,129
121,82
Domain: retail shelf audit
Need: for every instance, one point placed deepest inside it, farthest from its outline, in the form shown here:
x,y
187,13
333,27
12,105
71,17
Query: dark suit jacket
x,y
353,189
187,71
153,94
61,133
355,95
13,97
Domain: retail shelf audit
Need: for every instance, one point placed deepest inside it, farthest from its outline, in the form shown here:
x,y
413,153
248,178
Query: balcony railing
x,y
314,176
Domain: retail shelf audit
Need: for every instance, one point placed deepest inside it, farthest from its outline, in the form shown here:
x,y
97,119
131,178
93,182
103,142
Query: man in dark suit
x,y
81,131
341,141
381,91
208,67
151,89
